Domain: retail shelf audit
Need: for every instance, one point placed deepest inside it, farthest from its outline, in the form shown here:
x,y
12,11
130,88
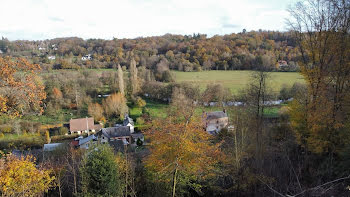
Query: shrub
x,y
139,102
6,129
63,131
140,121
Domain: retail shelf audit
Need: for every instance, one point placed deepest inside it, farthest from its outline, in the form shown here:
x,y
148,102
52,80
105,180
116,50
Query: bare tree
x,y
257,95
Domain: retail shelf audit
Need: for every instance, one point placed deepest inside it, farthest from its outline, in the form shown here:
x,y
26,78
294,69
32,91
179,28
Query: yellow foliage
x,y
20,177
183,147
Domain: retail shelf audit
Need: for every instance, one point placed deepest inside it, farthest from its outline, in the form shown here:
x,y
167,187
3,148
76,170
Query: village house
x,y
84,143
81,125
115,133
87,142
215,121
120,134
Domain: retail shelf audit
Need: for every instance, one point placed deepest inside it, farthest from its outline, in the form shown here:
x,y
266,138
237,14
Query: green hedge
x,y
22,142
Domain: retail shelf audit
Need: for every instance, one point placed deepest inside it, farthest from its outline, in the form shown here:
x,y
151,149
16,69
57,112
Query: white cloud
x,y
44,19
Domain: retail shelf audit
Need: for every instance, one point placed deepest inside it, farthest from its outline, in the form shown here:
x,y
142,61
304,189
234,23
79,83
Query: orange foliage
x,y
57,93
20,88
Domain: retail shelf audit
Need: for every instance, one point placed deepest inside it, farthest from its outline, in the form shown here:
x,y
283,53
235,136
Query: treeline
x,y
242,51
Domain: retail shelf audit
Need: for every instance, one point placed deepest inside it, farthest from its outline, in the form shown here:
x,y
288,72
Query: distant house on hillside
x,y
281,64
81,125
215,121
86,57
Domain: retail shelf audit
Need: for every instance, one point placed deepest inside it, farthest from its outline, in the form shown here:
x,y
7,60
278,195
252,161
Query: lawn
x,y
236,80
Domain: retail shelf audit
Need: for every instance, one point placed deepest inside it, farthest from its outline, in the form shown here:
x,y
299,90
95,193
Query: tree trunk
x,y
174,181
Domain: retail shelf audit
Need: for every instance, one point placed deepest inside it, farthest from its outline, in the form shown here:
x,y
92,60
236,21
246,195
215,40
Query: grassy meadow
x,y
236,80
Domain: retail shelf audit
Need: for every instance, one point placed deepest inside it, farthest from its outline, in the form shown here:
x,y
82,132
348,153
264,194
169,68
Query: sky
x,y
108,19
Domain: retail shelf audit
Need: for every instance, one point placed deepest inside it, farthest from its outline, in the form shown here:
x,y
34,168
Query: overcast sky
x,y
46,19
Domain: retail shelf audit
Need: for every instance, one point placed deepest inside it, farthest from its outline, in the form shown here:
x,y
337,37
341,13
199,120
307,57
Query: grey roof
x,y
89,138
116,131
137,135
216,115
128,120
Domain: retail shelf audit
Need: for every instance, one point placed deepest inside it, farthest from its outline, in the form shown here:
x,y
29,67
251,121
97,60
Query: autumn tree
x,y
126,173
115,105
181,105
181,153
21,177
121,80
21,89
56,98
95,110
216,93
134,82
321,29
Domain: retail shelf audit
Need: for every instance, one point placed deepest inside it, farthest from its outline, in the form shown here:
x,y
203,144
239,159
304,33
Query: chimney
x,y
87,126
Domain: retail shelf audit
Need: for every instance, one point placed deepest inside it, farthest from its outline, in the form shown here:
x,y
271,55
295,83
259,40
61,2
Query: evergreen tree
x,y
99,173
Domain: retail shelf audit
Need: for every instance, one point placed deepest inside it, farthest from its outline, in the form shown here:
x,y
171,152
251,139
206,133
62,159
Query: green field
x,y
236,80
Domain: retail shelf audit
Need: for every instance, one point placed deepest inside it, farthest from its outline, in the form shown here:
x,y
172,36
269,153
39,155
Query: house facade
x,y
215,121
